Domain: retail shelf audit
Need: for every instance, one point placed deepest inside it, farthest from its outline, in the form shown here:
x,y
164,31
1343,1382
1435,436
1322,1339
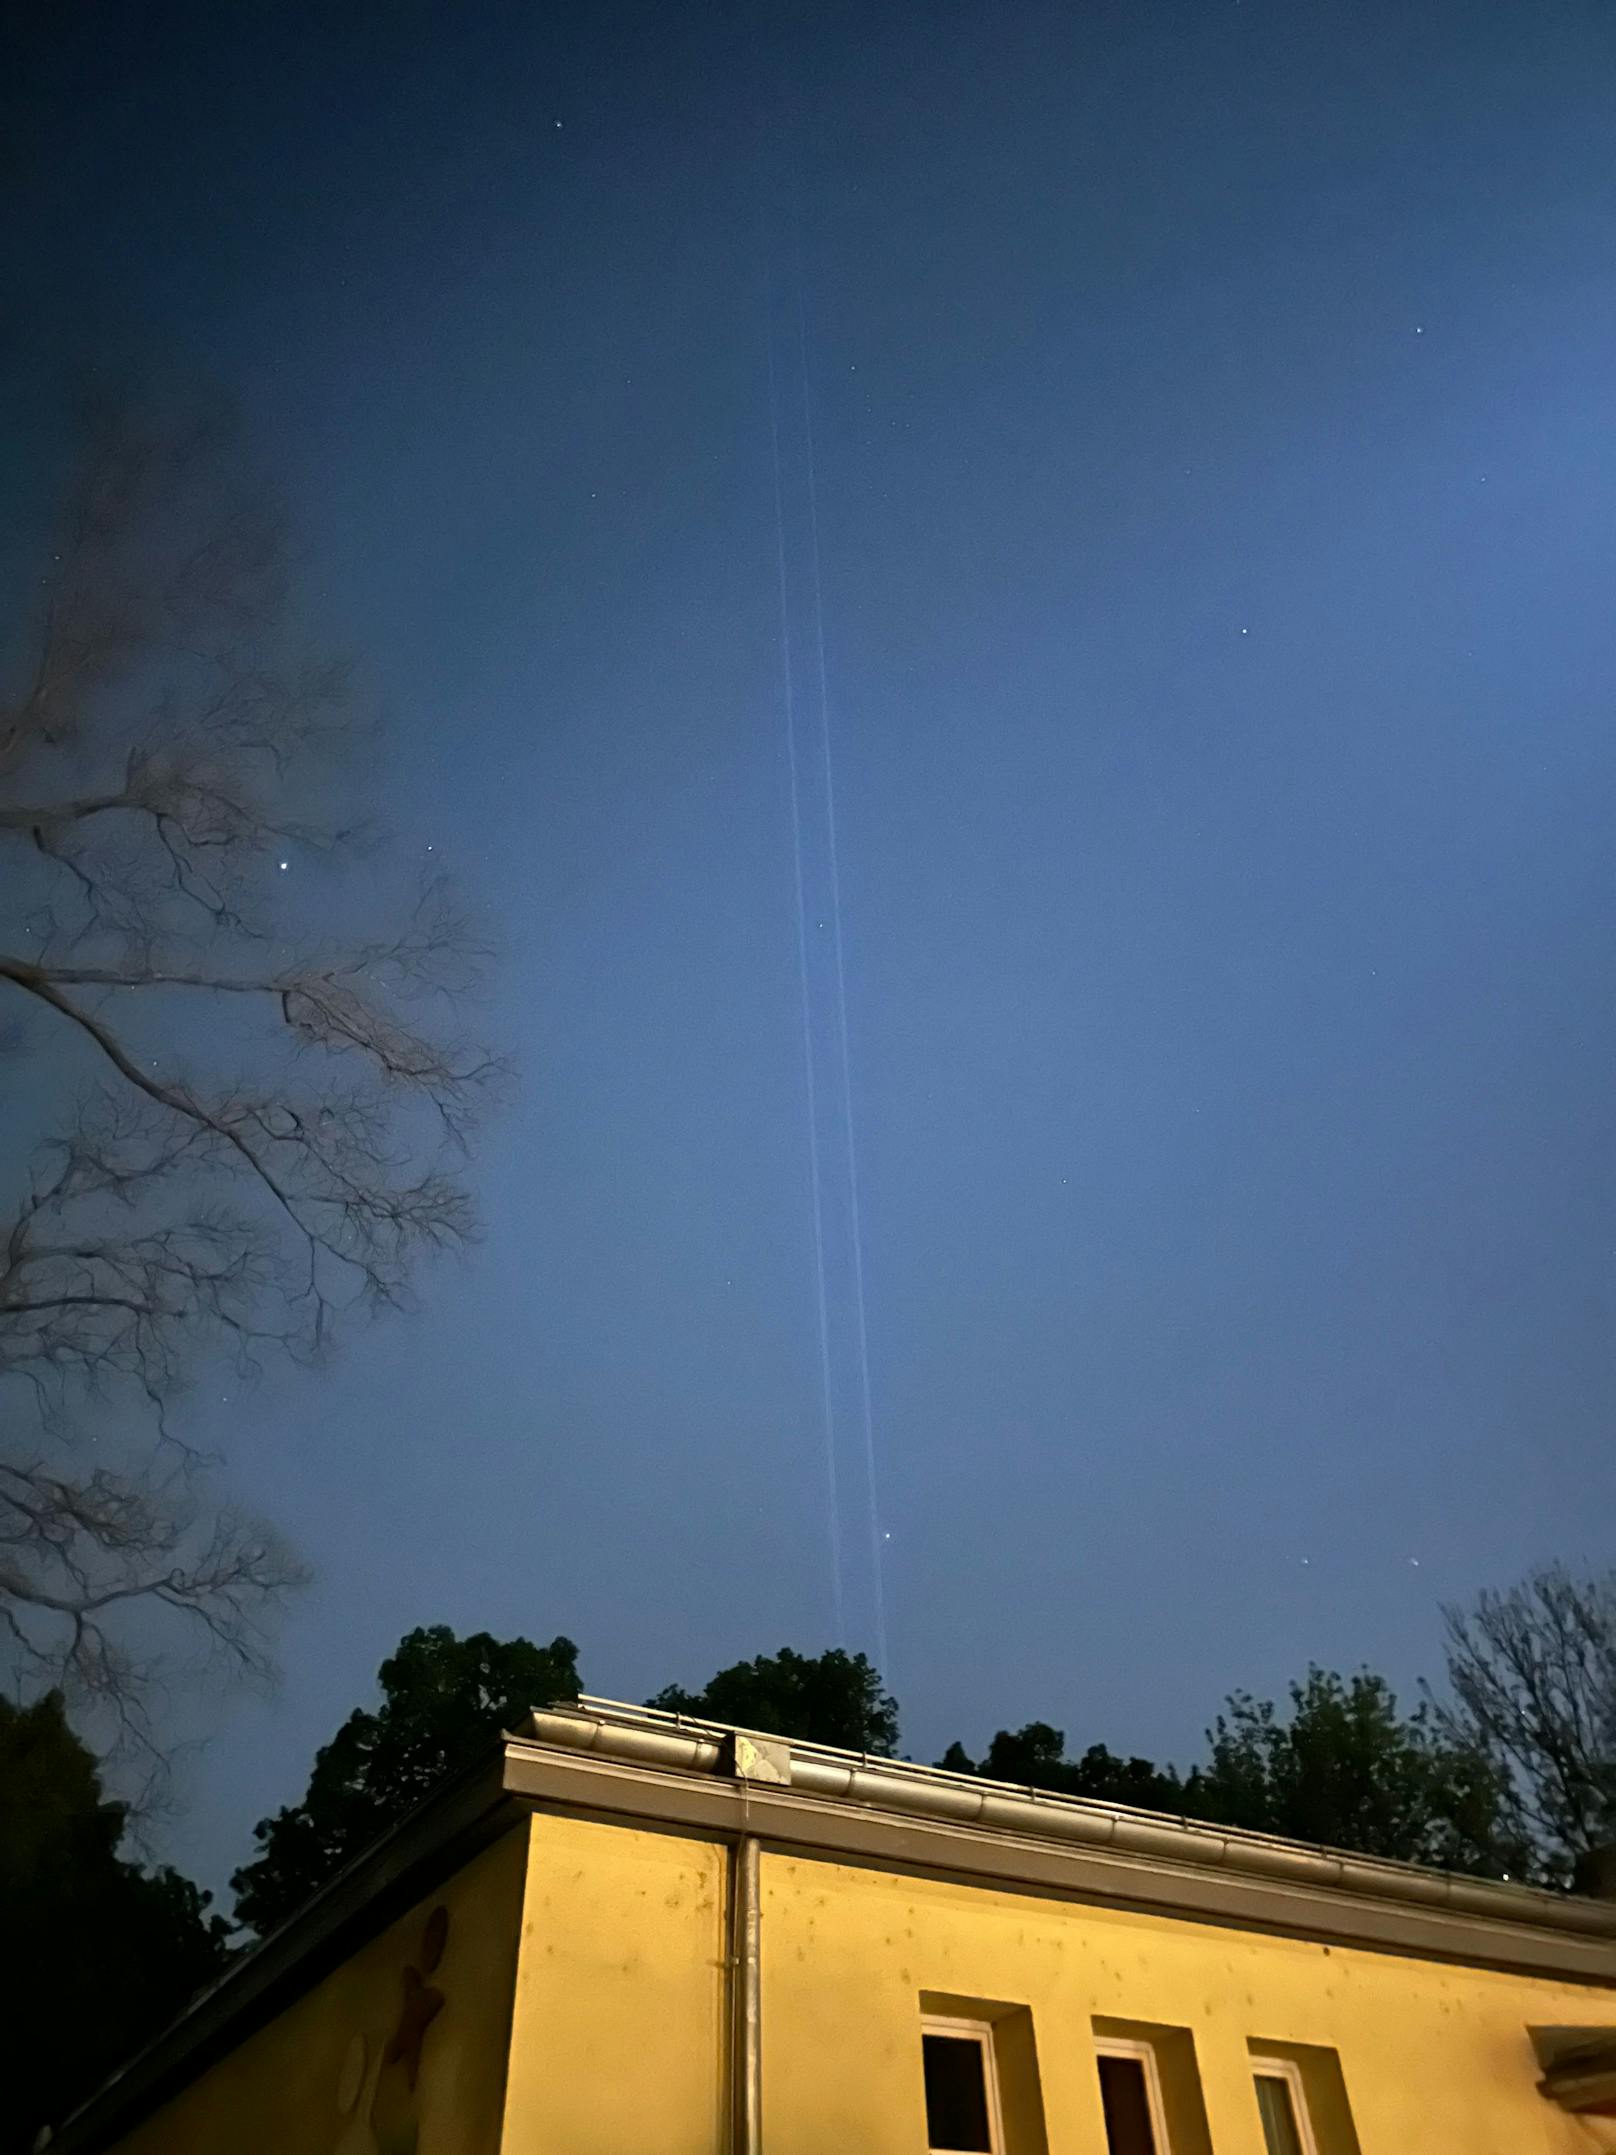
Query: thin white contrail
x,y
855,1217
815,1170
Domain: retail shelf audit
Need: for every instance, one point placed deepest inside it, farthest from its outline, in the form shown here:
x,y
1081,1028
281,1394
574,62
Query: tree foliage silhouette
x,y
1346,1768
834,1698
102,1952
444,1699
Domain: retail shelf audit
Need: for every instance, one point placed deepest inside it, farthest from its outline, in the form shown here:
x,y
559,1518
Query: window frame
x,y
981,2033
1144,2055
1266,2065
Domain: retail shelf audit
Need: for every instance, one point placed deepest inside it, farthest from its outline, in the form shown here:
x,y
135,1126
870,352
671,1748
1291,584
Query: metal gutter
x,y
956,1822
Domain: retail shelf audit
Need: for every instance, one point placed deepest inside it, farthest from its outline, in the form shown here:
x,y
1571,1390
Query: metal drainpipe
x,y
746,2000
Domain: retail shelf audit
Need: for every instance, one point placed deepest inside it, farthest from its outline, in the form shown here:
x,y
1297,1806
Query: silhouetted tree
x,y
1347,1769
254,1120
1035,1757
833,1698
100,1953
444,1699
1343,1767
1532,1672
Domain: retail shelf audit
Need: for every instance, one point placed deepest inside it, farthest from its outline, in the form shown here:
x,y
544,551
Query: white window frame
x,y
1265,2066
981,2033
1144,2054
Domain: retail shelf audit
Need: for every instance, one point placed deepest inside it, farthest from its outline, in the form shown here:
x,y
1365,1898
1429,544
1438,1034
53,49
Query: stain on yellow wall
x,y
318,2079
1436,2059
618,2039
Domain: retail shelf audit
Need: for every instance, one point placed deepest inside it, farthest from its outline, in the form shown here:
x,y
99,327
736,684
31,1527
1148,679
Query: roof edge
x,y
608,1728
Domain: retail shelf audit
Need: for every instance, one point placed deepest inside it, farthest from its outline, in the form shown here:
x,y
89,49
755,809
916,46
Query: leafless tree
x,y
255,1125
1532,1671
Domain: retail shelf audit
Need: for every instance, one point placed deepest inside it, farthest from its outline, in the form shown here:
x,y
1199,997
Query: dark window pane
x,y
1279,2125
1127,2107
956,2094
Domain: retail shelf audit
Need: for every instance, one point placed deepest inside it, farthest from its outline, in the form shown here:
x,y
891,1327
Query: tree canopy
x,y
1035,1756
1346,1768
833,1697
444,1699
102,1952
1342,1766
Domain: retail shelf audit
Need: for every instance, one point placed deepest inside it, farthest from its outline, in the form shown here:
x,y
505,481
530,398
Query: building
x,y
631,1932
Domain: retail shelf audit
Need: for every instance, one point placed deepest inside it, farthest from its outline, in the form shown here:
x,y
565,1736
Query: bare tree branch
x,y
270,1122
1532,1672
78,1553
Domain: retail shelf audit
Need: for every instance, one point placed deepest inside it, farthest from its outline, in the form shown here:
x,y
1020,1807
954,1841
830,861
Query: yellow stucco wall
x,y
1436,2059
617,2046
315,2080
612,2013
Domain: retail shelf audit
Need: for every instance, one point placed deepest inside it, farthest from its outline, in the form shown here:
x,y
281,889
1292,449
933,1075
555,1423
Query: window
x,y
1282,2105
981,2087
962,2094
1130,2092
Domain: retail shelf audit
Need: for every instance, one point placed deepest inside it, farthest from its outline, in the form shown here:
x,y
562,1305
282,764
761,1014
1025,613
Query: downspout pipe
x,y
746,1999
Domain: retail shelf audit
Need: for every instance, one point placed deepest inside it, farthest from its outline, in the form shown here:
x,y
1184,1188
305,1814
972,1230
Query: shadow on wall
x,y
380,2074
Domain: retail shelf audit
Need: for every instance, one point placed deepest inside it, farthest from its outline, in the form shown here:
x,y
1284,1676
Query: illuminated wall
x,y
593,1958
401,2048
1434,2060
618,2042
618,2039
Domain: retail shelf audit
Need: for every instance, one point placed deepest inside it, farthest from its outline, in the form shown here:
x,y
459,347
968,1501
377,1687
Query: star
x,y
421,2007
283,866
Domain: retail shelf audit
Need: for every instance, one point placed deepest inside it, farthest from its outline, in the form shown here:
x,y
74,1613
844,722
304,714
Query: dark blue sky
x,y
1217,496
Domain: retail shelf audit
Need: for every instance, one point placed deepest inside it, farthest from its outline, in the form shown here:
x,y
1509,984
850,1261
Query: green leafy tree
x,y
833,1698
1346,1768
444,1699
1035,1757
102,1952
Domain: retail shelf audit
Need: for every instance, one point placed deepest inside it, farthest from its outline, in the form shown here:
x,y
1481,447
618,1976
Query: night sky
x,y
1214,415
